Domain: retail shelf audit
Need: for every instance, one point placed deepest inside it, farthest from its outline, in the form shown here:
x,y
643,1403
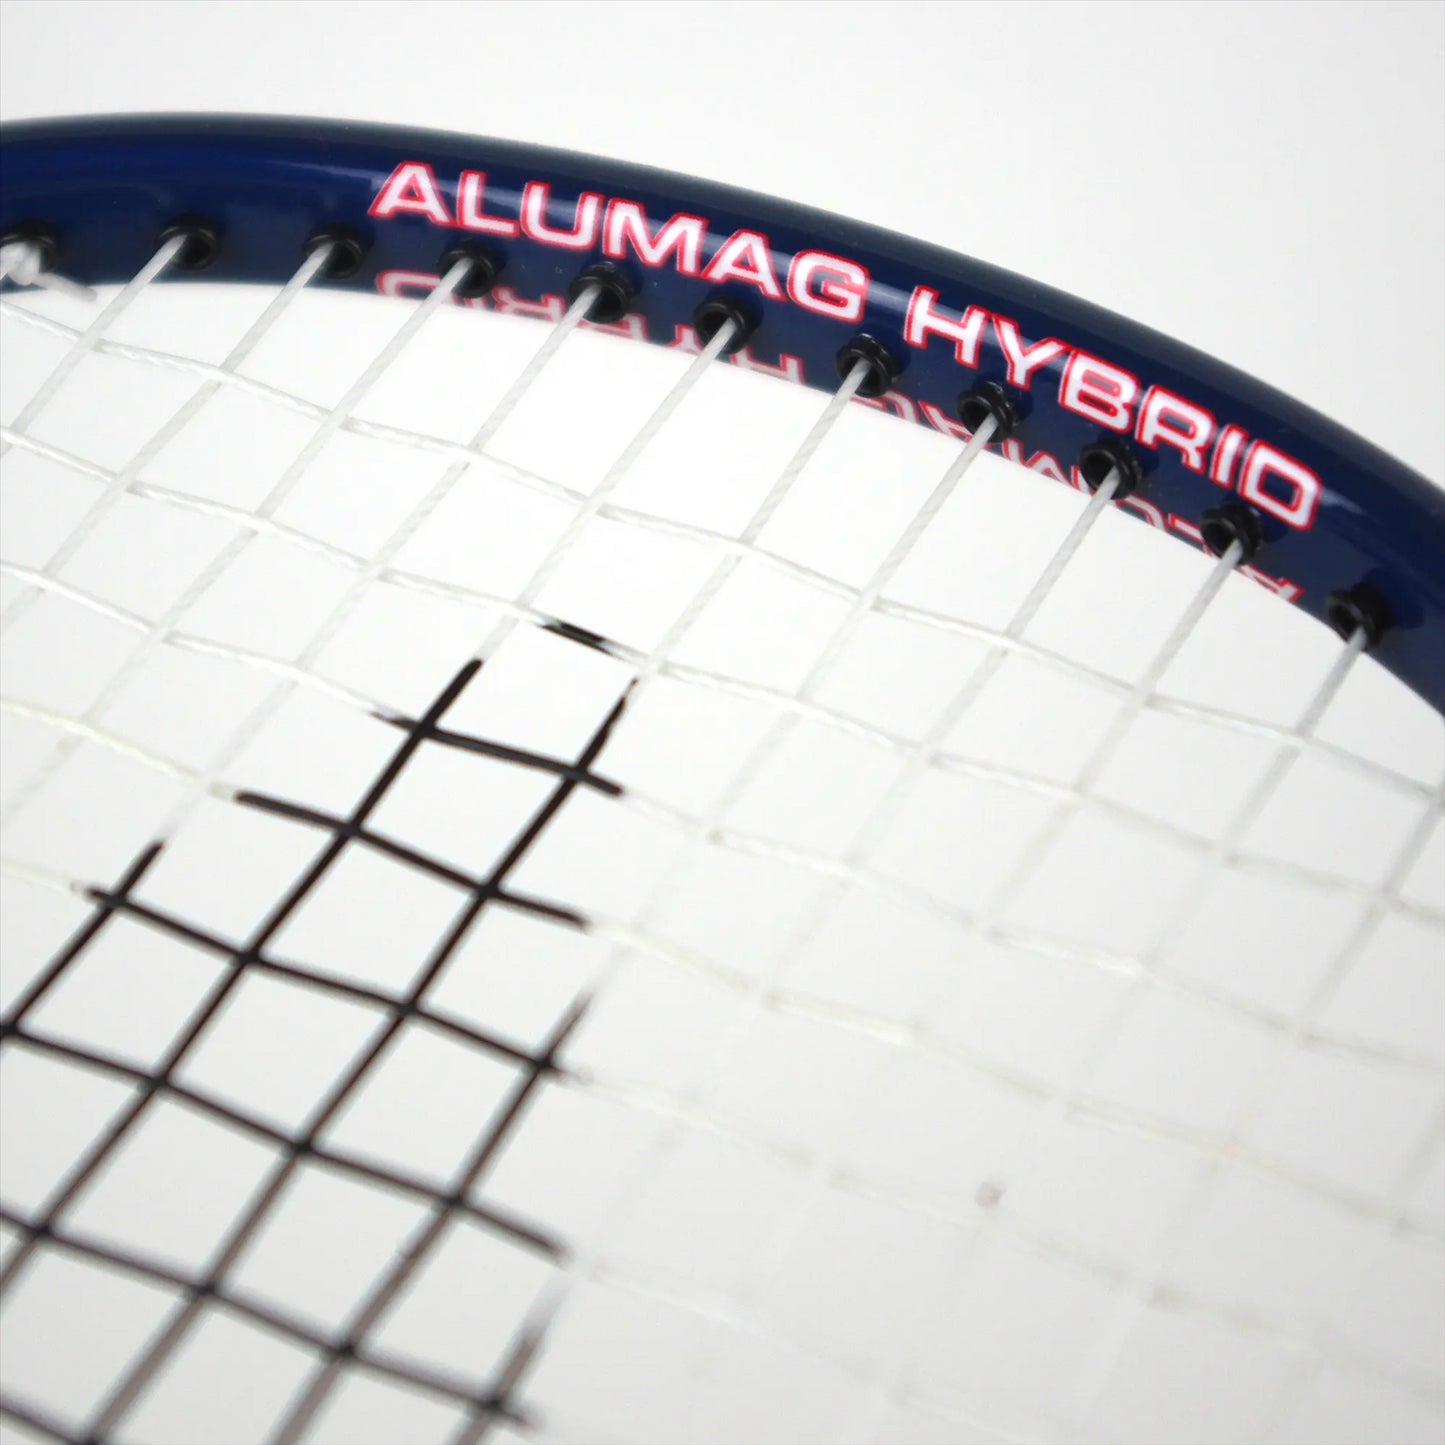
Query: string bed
x,y
563,890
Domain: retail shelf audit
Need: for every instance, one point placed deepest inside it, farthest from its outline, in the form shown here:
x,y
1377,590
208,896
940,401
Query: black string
x,y
341,1160
278,1321
353,833
105,906
483,1406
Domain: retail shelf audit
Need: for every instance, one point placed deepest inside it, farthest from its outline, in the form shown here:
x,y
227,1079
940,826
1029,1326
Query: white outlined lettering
x,y
625,228
926,319
1092,388
1169,420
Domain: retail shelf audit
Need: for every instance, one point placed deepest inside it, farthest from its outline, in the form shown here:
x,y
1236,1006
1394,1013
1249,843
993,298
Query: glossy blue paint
x,y
109,185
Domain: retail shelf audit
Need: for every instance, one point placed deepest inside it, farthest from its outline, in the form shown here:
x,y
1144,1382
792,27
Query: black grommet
x,y
989,399
615,292
1222,527
1098,459
202,242
1358,609
485,266
348,251
716,312
883,367
39,235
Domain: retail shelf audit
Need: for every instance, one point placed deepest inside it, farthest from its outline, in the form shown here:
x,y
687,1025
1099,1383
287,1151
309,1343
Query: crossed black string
x,y
481,1407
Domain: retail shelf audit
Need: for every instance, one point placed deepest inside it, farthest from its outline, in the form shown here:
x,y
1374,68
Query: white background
x,y
1264,181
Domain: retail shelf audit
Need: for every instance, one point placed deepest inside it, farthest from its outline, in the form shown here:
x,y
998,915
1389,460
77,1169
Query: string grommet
x,y
201,242
1360,608
1098,459
483,269
883,367
714,313
615,292
348,251
989,400
1222,527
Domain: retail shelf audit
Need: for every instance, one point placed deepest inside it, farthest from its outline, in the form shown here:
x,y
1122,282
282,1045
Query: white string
x,y
864,598
1142,1286
761,991
784,1236
223,560
656,662
1368,768
760,518
1148,1278
1142,1295
118,483
119,304
686,1108
555,1299
1196,710
596,504
206,781
1322,1349
24,263
969,922
1105,749
123,482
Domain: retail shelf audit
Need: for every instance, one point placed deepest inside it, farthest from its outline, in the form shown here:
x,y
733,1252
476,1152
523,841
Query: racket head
x,y
592,744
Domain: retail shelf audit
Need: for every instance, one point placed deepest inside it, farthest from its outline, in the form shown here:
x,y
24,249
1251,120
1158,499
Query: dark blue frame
x,y
108,185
